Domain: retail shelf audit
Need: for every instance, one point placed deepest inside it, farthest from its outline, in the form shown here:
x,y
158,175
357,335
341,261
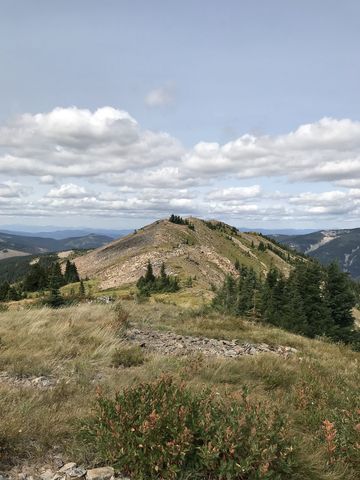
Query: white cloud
x,y
235,193
10,189
47,180
160,97
149,174
328,150
68,191
71,142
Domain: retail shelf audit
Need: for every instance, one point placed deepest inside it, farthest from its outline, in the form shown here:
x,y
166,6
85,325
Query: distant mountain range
x,y
60,234
12,245
278,231
342,246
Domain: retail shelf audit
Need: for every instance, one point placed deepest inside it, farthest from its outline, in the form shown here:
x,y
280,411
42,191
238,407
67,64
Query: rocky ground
x,y
57,470
161,342
165,343
168,343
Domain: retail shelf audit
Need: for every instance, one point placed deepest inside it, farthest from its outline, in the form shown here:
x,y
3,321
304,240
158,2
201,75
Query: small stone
x,y
66,467
47,475
58,462
103,473
58,476
75,473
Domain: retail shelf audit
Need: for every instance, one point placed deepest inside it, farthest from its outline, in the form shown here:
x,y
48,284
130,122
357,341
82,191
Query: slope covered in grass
x,y
205,252
75,348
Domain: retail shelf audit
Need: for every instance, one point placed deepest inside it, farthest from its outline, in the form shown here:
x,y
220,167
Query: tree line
x,y
313,301
150,283
181,221
45,274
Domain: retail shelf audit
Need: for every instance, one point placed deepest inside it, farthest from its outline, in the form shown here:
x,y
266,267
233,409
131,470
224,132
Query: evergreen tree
x,y
13,294
56,279
293,315
81,289
246,292
71,274
310,279
36,279
4,290
340,298
149,275
54,299
151,284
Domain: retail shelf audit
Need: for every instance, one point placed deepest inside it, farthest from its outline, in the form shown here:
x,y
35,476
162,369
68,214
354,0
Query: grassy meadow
x,y
316,390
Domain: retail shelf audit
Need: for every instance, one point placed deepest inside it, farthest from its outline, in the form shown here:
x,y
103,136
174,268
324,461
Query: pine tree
x,y
340,298
81,289
56,279
71,274
246,292
293,314
149,275
36,279
4,290
310,278
225,298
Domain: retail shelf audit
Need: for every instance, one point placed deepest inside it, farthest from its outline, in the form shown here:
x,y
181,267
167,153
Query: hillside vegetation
x,y
342,246
312,393
204,251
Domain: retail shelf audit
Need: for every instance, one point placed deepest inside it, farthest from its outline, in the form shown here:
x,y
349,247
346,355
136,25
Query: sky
x,y
115,113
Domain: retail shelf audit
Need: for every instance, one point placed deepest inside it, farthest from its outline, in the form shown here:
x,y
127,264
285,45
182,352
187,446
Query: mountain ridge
x,y
204,250
340,245
19,245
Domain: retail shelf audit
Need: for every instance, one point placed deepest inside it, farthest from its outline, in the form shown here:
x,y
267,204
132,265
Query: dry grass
x,y
76,346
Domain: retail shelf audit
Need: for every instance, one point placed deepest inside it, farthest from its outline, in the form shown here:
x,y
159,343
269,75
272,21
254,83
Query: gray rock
x,y
47,475
103,473
66,467
75,473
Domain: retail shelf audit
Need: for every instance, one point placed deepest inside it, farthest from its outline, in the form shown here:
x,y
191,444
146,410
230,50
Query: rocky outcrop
x,y
168,343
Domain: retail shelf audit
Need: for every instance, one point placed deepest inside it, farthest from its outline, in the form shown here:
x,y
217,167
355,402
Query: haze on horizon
x,y
118,113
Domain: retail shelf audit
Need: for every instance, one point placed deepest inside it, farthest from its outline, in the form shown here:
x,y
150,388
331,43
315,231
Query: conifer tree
x,y
56,279
71,274
81,289
149,275
340,298
4,290
36,279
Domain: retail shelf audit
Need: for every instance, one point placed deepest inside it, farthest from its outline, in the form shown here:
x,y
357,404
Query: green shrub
x,y
128,357
164,430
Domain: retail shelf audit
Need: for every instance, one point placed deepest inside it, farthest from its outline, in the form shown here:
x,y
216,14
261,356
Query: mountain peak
x,y
205,250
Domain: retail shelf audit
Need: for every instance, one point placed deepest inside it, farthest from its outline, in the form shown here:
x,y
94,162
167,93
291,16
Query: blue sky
x,y
120,112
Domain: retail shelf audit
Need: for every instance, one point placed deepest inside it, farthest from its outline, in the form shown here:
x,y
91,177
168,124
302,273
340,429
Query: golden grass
x,y
76,346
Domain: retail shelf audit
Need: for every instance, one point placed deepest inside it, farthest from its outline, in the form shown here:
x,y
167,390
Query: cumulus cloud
x,y
235,193
149,174
10,189
72,142
160,97
47,180
327,150
68,191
